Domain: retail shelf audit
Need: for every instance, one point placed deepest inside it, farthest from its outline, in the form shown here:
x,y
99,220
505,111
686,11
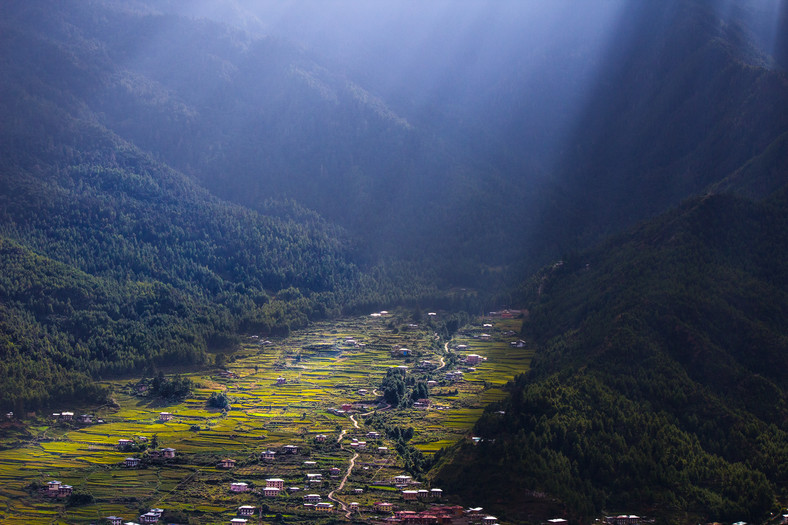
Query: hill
x,y
659,387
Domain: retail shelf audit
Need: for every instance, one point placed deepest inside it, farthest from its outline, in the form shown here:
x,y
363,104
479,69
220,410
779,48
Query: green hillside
x,y
659,386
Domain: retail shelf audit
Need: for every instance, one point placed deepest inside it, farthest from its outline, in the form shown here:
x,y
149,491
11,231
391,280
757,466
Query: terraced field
x,y
282,392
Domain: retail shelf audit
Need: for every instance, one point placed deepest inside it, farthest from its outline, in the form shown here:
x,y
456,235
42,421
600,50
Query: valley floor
x,y
285,396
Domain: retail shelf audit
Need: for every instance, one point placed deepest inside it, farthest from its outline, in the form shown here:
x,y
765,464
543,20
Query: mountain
x,y
659,387
113,261
253,118
686,98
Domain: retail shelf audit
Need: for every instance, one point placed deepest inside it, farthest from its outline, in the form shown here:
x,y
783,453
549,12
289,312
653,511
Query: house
x,y
281,381
558,521
269,455
623,519
239,486
86,418
373,435
226,463
165,416
114,520
64,491
410,495
53,487
489,520
276,483
271,492
123,443
485,337
423,494
167,453
436,493
402,479
314,477
383,450
312,498
320,438
383,506
473,359
67,416
246,510
324,507
353,506
290,449
149,517
334,472
346,407
131,462
358,491
421,403
238,521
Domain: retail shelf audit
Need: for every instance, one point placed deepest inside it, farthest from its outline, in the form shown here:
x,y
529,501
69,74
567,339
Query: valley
x,y
316,391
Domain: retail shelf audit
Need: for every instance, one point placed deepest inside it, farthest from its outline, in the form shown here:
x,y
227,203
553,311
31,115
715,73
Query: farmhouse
x,y
86,418
271,492
334,472
402,479
373,435
290,449
246,510
489,520
320,438
64,491
312,498
149,517
436,493
131,462
123,442
473,359
238,521
165,416
353,506
383,506
383,450
623,519
239,486
557,521
423,494
53,487
226,463
67,416
167,453
281,381
275,483
324,507
269,455
410,495
114,520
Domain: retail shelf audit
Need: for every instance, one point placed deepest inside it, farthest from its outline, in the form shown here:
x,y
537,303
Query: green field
x,y
321,372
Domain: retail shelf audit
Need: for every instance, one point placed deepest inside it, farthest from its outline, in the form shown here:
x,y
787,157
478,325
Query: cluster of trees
x,y
660,383
399,389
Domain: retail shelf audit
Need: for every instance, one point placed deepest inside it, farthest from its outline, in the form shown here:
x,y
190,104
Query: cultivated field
x,y
283,392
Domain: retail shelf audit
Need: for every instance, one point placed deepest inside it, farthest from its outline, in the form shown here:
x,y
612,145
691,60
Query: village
x,y
304,439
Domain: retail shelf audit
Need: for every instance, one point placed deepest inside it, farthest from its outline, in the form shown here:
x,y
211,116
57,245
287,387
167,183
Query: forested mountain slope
x,y
254,118
659,387
685,99
113,261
